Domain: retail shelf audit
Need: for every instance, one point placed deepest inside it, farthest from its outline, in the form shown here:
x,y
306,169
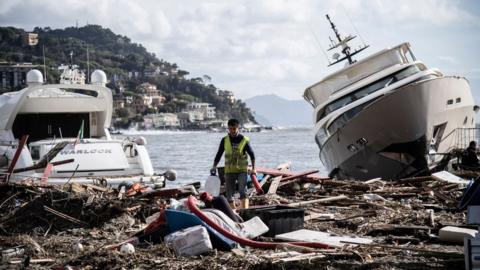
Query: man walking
x,y
236,147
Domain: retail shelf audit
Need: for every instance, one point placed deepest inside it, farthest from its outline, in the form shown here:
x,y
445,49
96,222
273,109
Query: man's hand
x,y
213,170
254,170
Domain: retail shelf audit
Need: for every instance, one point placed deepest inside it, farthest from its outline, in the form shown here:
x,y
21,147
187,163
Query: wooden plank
x,y
396,227
46,172
95,187
323,200
319,216
321,237
422,250
274,185
294,178
298,175
21,144
275,172
308,256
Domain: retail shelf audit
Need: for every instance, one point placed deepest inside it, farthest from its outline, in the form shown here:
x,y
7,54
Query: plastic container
x,y
191,241
212,185
278,218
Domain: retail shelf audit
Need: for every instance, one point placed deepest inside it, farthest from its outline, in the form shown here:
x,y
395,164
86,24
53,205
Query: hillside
x,y
277,111
119,57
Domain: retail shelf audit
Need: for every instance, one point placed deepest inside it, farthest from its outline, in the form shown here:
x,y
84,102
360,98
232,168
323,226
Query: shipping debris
x,y
312,223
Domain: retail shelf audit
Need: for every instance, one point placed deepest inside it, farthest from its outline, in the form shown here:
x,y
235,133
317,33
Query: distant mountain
x,y
277,111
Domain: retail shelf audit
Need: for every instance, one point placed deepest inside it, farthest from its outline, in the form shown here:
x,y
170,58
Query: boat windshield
x,y
368,89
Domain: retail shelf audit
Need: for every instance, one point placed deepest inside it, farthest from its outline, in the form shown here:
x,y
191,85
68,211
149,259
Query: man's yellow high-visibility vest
x,y
235,160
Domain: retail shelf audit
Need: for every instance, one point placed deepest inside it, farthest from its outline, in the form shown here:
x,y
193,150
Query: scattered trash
x,y
363,223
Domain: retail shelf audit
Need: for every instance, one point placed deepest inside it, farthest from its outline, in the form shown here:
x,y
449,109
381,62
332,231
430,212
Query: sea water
x,y
191,153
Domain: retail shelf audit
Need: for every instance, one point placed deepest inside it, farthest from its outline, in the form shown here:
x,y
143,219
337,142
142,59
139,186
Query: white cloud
x,y
450,60
261,46
409,12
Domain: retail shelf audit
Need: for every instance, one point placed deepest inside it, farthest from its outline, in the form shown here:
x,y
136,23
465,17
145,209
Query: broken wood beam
x,y
323,200
274,185
64,216
298,175
295,178
275,172
19,150
411,180
422,250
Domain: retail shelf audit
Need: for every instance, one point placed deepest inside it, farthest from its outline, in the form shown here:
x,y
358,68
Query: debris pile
x,y
409,224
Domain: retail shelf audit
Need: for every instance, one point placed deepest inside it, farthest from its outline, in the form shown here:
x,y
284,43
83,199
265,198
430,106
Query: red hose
x,y
244,241
256,184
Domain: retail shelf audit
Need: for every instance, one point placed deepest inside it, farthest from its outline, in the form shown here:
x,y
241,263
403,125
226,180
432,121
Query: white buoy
x,y
127,248
78,247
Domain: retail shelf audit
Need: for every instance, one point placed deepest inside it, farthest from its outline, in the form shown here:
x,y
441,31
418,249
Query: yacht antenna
x,y
318,43
344,44
354,27
71,59
44,67
88,66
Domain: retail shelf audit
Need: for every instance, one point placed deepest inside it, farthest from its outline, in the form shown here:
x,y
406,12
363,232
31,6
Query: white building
x,y
161,120
228,95
206,109
71,75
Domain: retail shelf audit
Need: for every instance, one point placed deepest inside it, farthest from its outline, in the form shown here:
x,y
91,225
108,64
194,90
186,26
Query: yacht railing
x,y
463,136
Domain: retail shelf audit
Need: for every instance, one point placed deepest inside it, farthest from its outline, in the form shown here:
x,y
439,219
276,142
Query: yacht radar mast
x,y
344,44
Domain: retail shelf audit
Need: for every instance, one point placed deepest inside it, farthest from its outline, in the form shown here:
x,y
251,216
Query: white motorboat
x,y
77,117
387,115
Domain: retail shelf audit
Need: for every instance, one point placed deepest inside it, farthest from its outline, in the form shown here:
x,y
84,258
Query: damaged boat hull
x,y
392,136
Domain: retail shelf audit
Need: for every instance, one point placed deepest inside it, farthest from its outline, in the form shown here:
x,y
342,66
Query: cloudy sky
x,y
255,47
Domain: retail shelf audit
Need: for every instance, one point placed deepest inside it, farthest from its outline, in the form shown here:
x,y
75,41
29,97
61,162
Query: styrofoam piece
x,y
253,227
450,178
373,197
455,234
191,241
321,237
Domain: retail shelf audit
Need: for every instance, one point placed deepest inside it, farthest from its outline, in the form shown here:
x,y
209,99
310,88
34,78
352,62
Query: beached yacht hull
x,y
392,136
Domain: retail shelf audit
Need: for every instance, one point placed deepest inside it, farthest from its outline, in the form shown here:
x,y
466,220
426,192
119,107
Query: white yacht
x,y
75,117
387,115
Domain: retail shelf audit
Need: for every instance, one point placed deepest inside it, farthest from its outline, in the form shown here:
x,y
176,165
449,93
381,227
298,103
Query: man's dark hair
x,y
473,144
233,122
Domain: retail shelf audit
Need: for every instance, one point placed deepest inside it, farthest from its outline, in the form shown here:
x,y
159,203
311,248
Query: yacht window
x,y
321,137
465,120
346,116
450,102
458,100
438,132
368,89
412,56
